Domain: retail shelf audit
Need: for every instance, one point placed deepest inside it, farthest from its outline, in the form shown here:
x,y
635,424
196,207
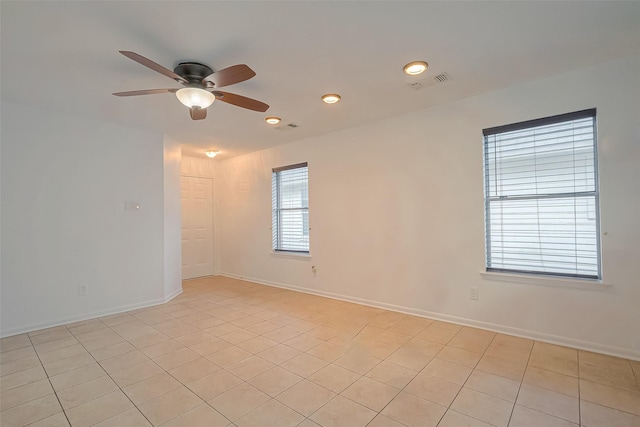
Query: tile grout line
x,y
579,400
224,368
55,393
466,380
164,371
111,378
515,402
422,369
417,373
160,367
340,393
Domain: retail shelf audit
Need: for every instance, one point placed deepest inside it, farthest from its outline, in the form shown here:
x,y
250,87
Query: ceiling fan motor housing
x,y
193,72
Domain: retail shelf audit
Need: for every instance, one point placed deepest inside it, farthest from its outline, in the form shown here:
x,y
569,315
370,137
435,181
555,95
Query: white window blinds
x,y
290,208
541,196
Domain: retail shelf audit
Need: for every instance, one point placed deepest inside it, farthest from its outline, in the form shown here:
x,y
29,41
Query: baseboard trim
x,y
172,295
523,333
88,316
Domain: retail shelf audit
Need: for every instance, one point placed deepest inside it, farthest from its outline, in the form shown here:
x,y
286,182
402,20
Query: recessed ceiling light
x,y
331,98
416,67
272,120
211,154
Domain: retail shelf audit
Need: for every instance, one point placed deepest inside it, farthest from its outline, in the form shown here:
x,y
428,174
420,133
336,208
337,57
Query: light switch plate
x,y
132,206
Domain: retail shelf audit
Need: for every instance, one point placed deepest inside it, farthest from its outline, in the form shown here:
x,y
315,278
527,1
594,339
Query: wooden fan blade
x,y
145,92
198,113
154,66
241,101
228,76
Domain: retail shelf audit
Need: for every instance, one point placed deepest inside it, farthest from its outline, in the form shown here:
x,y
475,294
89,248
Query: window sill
x,y
556,282
293,255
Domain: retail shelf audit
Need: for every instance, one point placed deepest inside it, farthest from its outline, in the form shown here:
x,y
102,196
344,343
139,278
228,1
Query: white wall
x,y
64,182
396,214
172,155
195,166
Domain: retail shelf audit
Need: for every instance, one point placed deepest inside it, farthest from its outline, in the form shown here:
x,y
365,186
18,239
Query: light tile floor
x,y
233,353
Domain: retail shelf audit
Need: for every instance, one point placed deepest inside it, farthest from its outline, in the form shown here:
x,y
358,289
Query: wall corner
x,y
172,154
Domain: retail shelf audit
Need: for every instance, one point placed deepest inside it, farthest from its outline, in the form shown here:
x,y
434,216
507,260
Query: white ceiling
x,y
64,56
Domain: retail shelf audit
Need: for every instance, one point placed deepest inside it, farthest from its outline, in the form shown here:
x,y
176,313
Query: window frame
x,y
276,216
530,124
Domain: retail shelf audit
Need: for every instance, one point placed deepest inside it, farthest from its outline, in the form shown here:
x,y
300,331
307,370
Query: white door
x,y
197,227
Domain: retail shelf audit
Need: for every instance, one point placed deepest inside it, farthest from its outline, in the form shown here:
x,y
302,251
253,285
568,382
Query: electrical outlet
x,y
473,293
82,290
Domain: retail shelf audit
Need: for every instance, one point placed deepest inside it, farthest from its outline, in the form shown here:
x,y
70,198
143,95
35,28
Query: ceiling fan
x,y
200,85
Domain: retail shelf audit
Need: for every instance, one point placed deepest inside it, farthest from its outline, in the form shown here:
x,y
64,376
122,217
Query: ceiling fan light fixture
x,y
211,154
331,98
416,67
272,120
195,97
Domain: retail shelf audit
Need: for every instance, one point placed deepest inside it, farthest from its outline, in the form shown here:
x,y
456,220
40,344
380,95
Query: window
x,y
290,208
541,197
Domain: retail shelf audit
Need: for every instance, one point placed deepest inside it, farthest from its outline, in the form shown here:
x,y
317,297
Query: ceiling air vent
x,y
429,81
441,78
287,127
